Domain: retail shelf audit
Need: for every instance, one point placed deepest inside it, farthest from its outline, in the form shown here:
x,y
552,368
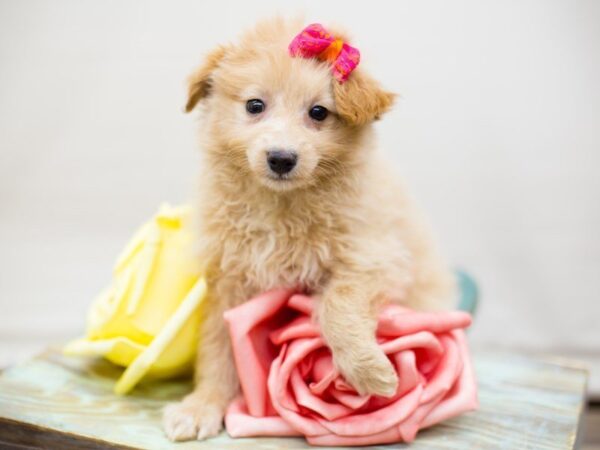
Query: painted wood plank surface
x,y
59,402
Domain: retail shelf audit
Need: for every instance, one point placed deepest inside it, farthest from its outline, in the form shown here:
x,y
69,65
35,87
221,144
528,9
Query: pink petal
x,y
305,398
388,436
298,328
378,420
301,303
252,358
421,339
350,399
397,321
446,372
342,385
240,423
323,372
463,397
408,375
283,402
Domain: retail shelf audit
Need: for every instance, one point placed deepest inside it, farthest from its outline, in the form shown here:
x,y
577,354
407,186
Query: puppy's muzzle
x,y
281,161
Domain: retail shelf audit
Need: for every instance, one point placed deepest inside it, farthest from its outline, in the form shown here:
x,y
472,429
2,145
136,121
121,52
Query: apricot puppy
x,y
294,194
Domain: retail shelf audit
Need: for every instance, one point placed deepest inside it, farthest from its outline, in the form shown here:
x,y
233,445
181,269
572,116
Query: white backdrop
x,y
496,130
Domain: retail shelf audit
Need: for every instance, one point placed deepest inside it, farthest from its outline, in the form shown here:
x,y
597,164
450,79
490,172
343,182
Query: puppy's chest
x,y
278,253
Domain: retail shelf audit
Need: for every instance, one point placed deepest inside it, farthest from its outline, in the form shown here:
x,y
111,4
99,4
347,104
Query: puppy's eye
x,y
318,113
255,106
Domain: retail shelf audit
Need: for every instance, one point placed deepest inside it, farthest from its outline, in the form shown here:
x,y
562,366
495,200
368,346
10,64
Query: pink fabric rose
x,y
291,388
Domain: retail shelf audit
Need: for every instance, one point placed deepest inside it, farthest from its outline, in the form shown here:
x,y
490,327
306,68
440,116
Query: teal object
x,y
468,292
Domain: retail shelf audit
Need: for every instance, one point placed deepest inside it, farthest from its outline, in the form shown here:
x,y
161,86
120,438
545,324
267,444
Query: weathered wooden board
x,y
57,402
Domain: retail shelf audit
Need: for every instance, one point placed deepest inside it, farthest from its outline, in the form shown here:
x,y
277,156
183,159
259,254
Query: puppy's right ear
x,y
361,99
200,82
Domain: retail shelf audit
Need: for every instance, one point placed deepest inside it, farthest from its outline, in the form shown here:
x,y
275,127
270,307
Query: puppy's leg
x,y
348,316
200,414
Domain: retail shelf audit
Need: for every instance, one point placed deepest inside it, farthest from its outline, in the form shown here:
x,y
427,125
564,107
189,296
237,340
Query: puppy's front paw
x,y
369,371
192,419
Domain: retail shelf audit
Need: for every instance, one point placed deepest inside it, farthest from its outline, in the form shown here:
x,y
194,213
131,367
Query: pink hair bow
x,y
316,42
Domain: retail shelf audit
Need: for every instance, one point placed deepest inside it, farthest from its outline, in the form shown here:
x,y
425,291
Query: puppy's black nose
x,y
281,161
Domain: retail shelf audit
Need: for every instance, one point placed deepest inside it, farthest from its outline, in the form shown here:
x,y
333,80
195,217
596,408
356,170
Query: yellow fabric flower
x,y
148,318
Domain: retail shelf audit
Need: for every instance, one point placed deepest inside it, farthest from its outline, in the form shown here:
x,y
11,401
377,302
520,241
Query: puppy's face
x,y
277,117
282,120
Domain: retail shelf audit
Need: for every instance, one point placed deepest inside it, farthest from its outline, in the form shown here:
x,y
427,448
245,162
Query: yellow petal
x,y
120,350
146,262
132,247
142,364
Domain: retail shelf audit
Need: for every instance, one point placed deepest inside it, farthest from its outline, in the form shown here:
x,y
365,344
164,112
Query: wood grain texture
x,y
53,401
591,432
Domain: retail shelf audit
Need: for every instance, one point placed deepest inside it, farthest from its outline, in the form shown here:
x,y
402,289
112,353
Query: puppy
x,y
293,194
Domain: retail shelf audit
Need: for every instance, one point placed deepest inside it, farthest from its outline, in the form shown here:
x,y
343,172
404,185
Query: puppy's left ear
x,y
200,82
360,99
